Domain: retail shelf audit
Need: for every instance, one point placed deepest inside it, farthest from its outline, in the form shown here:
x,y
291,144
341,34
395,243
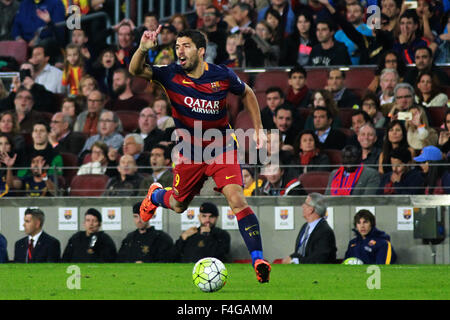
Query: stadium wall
x,y
277,243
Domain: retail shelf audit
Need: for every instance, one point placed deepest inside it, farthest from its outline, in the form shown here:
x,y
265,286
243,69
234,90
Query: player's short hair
x,y
366,215
319,203
36,213
197,37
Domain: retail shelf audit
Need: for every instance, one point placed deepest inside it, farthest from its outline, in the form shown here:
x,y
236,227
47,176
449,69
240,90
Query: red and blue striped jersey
x,y
202,99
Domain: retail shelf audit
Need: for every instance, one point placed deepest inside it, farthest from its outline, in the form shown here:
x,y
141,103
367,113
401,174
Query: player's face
x,y
364,227
207,219
91,224
31,225
187,53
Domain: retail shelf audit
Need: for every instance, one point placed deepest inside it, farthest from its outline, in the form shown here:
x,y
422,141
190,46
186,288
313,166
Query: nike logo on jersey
x,y
187,82
229,177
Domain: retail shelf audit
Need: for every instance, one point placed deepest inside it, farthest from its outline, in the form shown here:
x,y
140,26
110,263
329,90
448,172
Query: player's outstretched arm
x,y
251,104
149,40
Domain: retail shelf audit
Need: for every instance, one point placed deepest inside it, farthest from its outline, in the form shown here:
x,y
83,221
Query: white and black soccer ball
x,y
209,274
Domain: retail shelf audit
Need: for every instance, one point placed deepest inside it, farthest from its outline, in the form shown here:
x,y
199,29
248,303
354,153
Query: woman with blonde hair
x,y
419,133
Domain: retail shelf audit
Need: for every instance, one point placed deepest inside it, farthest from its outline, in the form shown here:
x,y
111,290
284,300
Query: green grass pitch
x,y
174,282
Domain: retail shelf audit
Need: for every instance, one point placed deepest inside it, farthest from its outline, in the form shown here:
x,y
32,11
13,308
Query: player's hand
x,y
149,39
260,138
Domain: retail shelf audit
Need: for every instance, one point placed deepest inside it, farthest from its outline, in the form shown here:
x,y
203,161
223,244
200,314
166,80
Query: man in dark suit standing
x,y
37,246
315,242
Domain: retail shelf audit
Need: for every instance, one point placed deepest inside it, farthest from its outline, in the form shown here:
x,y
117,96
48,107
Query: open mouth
x,y
183,61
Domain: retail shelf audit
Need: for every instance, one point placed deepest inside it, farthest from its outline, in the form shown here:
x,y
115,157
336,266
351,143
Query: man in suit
x,y
329,138
37,246
353,178
343,96
160,162
315,242
61,136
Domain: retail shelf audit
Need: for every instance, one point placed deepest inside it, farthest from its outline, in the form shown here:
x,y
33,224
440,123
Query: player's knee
x,y
237,201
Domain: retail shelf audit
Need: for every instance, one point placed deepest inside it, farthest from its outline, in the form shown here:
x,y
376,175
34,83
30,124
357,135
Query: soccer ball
x,y
353,260
209,274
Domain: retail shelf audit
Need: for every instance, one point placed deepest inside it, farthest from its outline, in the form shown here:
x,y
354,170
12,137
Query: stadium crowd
x,y
75,112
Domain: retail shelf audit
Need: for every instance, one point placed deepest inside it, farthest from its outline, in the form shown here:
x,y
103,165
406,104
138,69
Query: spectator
x,y
10,126
443,52
8,10
285,10
329,138
259,46
392,9
160,167
371,246
32,16
3,244
410,37
7,159
166,46
423,58
151,23
248,177
234,51
284,121
444,135
178,20
274,98
359,118
215,34
353,177
100,163
61,136
315,242
162,109
395,138
148,129
87,121
310,157
403,179
241,17
367,138
124,100
355,15
324,98
37,246
371,105
145,244
125,42
72,107
207,240
328,52
91,245
73,69
403,99
344,97
103,69
280,181
388,81
87,85
80,38
298,93
25,114
389,60
45,74
126,182
196,20
433,167
108,125
301,40
42,147
419,132
428,93
133,145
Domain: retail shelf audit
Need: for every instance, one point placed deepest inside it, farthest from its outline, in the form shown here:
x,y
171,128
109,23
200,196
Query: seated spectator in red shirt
x,y
403,179
309,153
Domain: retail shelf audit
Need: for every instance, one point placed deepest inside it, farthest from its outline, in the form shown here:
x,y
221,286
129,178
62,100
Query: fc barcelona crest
x,y
215,86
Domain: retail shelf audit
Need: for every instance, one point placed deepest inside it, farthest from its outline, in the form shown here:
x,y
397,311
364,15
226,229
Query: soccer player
x,y
197,91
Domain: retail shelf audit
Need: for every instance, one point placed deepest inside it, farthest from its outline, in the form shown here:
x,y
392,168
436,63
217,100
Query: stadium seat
x,y
359,77
15,49
348,132
437,115
69,160
315,181
89,185
268,79
87,158
334,155
129,120
345,114
316,78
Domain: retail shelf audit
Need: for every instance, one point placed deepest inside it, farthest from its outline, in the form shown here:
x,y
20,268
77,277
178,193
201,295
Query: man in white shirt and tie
x,y
315,242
